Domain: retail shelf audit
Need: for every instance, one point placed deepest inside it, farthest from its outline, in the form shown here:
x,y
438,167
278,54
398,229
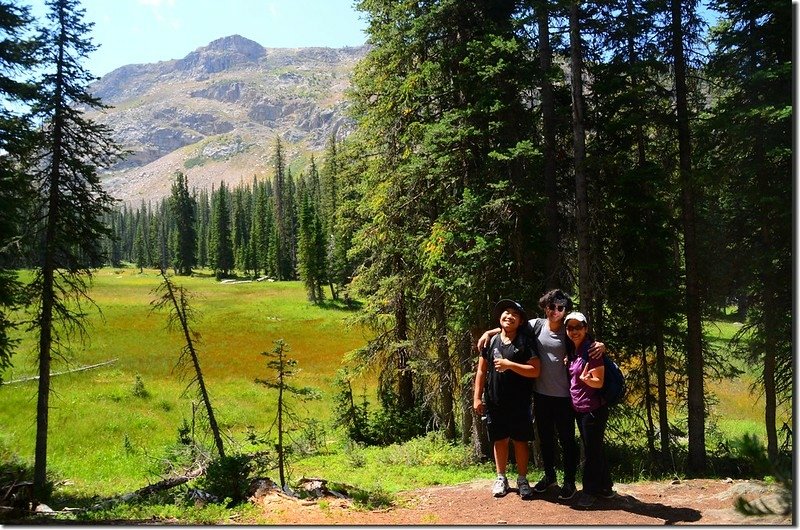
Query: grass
x,y
738,411
109,426
103,438
400,467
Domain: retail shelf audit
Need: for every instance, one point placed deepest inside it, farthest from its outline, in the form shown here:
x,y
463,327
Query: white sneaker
x,y
500,487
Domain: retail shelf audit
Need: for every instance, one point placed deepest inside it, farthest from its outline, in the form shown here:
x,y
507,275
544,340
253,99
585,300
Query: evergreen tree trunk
x,y
464,352
579,147
445,368
405,382
553,259
281,450
180,312
661,375
694,327
45,343
771,292
648,407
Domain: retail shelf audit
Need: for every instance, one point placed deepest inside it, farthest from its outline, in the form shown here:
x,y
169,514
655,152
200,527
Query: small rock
x,y
728,480
43,508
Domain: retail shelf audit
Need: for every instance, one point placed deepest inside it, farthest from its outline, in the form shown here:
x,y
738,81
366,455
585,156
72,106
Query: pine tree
x,y
585,287
16,61
750,147
311,248
240,238
140,254
282,213
220,246
694,340
291,222
262,226
182,210
203,221
72,199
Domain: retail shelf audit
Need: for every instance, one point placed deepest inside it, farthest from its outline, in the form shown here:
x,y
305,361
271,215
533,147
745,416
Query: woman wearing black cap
x,y
503,394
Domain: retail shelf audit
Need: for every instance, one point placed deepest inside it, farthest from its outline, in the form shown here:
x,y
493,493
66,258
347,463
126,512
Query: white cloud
x,y
162,12
273,9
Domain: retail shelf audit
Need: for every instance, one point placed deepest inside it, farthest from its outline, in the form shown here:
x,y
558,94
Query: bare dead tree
x,y
174,299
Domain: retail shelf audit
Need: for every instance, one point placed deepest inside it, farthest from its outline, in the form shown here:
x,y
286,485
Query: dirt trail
x,y
700,502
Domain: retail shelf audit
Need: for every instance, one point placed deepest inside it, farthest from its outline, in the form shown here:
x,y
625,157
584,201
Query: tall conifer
x,y
72,199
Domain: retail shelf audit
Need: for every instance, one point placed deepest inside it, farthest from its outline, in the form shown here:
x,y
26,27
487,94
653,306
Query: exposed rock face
x,y
215,114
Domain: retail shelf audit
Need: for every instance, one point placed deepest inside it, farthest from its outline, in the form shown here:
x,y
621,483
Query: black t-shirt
x,y
508,388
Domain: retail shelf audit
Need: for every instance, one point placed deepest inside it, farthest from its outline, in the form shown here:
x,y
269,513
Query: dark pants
x,y
555,415
592,426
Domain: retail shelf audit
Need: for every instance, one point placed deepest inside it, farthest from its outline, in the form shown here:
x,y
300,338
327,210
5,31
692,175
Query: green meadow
x,y
105,435
110,425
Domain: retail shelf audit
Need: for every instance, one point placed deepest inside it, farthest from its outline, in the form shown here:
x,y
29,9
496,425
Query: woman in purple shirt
x,y
586,379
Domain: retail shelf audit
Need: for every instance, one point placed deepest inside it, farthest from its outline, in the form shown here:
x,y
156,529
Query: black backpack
x,y
613,390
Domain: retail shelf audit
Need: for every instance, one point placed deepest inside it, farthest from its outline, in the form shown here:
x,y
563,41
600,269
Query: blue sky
x,y
147,31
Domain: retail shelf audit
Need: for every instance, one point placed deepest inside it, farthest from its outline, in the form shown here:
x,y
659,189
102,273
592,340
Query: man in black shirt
x,y
505,373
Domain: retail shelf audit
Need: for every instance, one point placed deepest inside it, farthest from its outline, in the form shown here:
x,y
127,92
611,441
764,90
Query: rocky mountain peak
x,y
237,44
215,114
222,54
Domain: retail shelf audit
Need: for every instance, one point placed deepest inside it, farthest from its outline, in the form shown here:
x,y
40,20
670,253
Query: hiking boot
x,y
606,494
567,491
586,500
500,487
524,488
543,484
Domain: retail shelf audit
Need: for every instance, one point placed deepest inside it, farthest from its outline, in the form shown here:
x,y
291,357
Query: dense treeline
x,y
269,228
620,150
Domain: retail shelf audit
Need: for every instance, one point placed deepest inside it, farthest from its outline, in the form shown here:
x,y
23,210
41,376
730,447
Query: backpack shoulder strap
x,y
534,342
494,342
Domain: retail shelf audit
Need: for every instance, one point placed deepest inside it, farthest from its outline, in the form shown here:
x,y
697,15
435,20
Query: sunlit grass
x,y
418,463
103,439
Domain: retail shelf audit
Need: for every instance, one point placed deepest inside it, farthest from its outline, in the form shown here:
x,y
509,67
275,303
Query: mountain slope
x,y
215,114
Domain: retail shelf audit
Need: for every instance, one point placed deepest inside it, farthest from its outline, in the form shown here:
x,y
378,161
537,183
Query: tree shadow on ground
x,y
669,514
69,510
339,305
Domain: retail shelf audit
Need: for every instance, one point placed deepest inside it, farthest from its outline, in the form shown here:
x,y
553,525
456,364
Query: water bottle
x,y
497,354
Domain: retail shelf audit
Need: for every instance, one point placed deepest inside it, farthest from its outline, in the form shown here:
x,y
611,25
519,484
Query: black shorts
x,y
516,424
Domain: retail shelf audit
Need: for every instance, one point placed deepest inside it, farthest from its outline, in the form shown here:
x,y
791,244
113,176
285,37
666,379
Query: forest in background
x,y
621,151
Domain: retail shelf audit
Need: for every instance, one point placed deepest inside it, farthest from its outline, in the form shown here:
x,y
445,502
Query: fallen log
x,y
53,374
167,483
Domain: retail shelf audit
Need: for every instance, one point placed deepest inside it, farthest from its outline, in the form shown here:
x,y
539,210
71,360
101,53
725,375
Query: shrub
x,y
391,423
139,390
229,477
432,449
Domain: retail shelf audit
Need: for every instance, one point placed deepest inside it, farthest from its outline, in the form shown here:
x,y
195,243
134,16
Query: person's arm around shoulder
x,y
486,337
597,349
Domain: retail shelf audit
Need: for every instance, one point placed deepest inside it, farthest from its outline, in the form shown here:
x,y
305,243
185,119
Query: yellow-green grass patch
x,y
102,438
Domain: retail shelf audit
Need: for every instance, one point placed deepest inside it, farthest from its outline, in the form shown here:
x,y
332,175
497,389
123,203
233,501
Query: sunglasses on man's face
x,y
574,328
554,307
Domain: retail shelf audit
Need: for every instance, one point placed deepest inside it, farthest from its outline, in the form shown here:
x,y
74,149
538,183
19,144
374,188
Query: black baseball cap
x,y
507,303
